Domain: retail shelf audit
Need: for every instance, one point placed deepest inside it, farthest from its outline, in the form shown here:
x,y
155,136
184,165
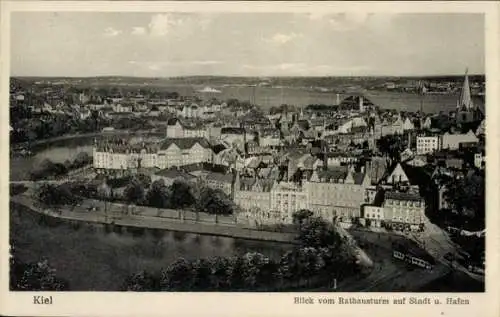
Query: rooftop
x,y
185,143
403,196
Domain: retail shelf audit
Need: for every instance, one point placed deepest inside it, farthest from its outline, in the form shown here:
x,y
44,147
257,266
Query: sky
x,y
77,44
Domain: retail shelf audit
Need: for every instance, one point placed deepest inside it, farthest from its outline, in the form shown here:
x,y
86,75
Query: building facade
x,y
404,211
452,141
286,199
337,195
427,144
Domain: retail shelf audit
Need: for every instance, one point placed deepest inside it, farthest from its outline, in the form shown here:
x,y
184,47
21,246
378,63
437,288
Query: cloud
x,y
166,23
138,30
281,38
111,32
161,24
354,20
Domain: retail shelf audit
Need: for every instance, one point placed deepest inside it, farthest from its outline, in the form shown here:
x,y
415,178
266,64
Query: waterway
x,y
92,259
267,97
58,152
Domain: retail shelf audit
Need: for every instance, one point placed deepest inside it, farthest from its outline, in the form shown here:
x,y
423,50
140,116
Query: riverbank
x,y
93,258
158,223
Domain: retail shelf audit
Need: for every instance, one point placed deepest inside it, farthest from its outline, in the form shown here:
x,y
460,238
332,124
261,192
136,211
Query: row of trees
x,y
180,195
56,195
47,168
320,256
139,190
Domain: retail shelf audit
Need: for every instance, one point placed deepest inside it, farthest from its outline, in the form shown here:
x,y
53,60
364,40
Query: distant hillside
x,y
368,81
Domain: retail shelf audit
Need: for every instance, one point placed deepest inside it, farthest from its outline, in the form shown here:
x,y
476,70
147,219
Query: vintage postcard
x,y
235,158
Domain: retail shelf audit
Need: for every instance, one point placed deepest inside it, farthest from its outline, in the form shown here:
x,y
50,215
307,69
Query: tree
x,y
181,195
466,196
318,233
221,273
214,201
134,193
252,264
302,215
145,180
104,192
81,159
202,271
53,195
141,282
178,276
309,262
157,196
285,272
236,273
44,169
33,276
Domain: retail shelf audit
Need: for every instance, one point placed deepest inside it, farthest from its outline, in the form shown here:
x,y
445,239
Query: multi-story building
x,y
337,193
341,158
221,181
270,138
287,198
123,156
427,144
177,129
253,195
452,141
389,126
404,211
183,151
373,215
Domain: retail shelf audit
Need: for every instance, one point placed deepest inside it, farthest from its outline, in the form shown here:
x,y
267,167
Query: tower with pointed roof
x,y
465,102
466,110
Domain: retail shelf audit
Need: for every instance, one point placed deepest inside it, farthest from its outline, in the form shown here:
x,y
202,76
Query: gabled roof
x,y
184,143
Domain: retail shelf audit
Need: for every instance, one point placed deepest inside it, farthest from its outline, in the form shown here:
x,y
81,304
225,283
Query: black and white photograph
x,y
202,151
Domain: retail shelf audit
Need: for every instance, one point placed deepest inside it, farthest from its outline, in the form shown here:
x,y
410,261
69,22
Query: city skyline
x,y
163,45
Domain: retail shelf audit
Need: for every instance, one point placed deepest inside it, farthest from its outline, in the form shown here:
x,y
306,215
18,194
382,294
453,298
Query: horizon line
x,y
244,76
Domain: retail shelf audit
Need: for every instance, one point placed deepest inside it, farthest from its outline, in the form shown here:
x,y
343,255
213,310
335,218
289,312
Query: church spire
x,y
465,100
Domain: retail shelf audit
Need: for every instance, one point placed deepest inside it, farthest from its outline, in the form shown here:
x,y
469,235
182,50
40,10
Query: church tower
x,y
466,110
465,102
